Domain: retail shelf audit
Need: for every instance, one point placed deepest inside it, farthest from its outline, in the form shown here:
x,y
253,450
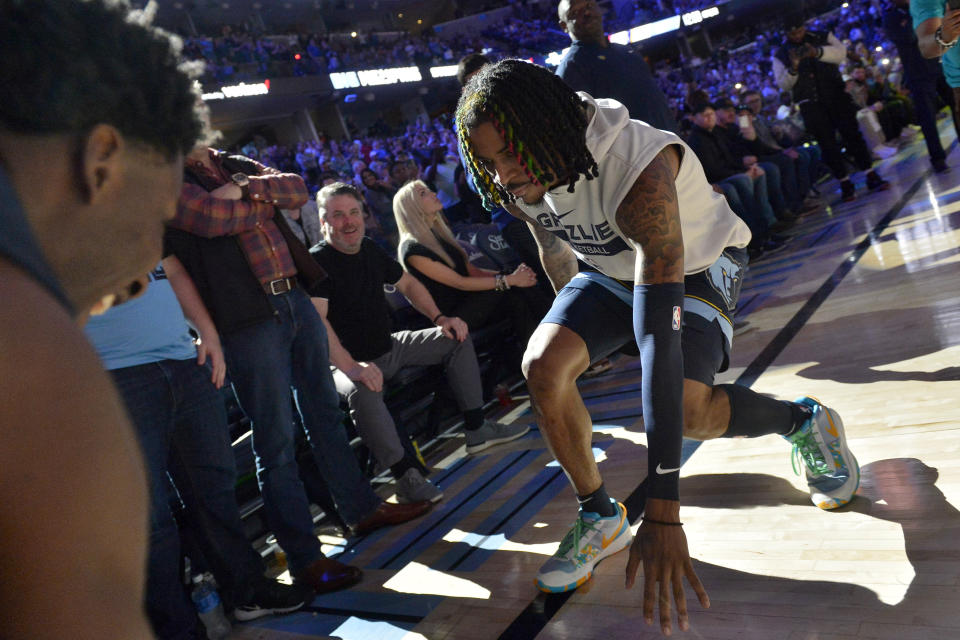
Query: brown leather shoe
x,y
326,575
388,513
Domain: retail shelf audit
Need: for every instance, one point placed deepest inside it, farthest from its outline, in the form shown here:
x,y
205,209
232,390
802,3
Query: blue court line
x,y
612,391
442,519
357,546
786,257
741,304
949,222
609,416
790,266
780,261
822,233
589,400
303,622
329,611
768,283
754,302
509,518
944,200
457,555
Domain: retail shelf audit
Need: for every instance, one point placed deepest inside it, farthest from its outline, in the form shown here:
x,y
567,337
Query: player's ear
x,y
100,167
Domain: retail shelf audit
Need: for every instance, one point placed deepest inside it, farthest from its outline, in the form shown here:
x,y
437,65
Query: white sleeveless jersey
x,y
586,218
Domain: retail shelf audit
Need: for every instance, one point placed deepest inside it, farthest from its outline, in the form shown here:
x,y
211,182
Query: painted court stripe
x,y
442,519
358,545
328,611
754,302
510,517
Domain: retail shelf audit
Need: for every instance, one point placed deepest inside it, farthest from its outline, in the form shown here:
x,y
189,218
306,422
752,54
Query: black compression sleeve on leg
x,y
753,414
657,319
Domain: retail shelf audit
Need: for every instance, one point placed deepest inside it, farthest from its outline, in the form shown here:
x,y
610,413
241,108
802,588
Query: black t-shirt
x,y
447,298
358,309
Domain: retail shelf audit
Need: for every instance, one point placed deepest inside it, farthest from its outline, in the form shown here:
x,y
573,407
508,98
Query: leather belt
x,y
282,285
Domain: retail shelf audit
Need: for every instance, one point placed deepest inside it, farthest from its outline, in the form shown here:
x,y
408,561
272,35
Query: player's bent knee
x,y
554,357
699,419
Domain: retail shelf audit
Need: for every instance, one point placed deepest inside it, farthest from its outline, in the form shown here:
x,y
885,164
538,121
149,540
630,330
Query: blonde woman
x,y
429,251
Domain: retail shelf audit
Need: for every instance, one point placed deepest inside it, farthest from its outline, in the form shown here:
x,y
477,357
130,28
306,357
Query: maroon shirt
x,y
250,220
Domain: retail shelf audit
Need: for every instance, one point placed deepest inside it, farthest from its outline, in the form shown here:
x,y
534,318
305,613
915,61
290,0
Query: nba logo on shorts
x,y
676,318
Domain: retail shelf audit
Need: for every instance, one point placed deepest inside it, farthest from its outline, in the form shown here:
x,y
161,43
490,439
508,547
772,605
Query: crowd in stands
x,y
373,159
238,54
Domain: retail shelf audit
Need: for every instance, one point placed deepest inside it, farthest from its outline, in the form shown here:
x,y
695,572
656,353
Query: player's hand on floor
x,y
666,561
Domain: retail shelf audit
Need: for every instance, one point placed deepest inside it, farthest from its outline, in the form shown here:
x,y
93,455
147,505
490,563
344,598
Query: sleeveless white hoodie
x,y
622,147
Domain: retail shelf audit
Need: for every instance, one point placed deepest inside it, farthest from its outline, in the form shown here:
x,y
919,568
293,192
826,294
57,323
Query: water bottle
x,y
209,607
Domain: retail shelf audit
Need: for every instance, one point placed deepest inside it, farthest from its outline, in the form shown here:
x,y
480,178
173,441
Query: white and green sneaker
x,y
590,540
833,473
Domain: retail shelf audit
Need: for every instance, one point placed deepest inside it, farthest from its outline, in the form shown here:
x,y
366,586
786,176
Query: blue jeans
x,y
748,198
181,425
774,189
265,362
788,180
804,168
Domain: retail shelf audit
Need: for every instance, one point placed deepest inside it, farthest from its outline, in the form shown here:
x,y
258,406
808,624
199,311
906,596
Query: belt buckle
x,y
280,286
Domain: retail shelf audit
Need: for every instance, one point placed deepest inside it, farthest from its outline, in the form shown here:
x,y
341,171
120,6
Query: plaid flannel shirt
x,y
251,220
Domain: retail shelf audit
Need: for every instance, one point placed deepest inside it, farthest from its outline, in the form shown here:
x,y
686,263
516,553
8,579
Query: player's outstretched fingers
x,y
665,625
694,581
683,621
649,596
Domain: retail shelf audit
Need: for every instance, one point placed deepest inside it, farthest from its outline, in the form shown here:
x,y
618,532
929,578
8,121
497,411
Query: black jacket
x,y
715,154
817,81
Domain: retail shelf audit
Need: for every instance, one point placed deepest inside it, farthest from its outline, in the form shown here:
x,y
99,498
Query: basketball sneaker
x,y
590,540
833,474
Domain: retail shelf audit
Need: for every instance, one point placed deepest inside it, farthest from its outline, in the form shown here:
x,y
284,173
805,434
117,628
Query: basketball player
x,y
638,246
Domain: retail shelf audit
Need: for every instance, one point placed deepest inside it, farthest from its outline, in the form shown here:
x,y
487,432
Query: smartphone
x,y
743,121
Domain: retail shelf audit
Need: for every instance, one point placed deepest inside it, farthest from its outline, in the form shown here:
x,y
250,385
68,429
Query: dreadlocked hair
x,y
542,121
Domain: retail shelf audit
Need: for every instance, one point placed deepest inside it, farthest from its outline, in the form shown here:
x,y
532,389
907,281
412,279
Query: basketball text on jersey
x,y
593,239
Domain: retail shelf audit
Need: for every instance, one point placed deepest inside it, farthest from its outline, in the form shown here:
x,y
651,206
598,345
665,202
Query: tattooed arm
x,y
649,216
557,257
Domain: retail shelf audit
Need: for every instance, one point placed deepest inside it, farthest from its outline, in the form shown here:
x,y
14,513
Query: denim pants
x,y
748,199
181,425
789,187
266,361
775,195
804,166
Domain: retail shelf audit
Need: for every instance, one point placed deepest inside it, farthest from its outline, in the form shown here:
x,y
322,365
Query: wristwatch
x,y
242,180
938,36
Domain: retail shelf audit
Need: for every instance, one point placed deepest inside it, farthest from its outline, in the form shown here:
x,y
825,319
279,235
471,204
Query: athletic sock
x,y
801,413
473,419
753,414
598,502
